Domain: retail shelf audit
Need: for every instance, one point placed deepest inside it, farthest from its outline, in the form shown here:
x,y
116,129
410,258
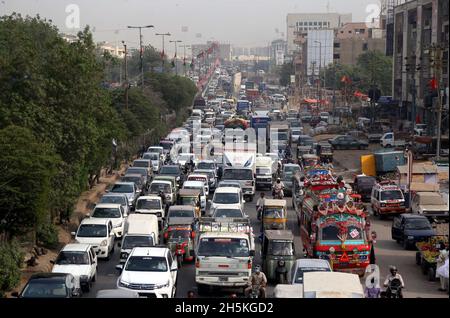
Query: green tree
x,y
375,69
11,259
25,182
285,73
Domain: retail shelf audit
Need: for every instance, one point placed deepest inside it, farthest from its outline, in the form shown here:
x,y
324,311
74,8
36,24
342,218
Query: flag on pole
x,y
433,83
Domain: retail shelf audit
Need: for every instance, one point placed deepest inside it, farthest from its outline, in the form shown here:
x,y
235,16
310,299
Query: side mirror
x,y
119,267
73,233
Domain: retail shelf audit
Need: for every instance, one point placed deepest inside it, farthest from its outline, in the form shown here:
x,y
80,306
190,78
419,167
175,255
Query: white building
x,y
319,50
303,22
115,50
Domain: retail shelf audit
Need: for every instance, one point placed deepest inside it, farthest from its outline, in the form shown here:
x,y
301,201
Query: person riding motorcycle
x,y
278,188
394,276
258,279
260,204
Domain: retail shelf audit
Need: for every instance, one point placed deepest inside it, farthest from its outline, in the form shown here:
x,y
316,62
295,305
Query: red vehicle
x,y
333,227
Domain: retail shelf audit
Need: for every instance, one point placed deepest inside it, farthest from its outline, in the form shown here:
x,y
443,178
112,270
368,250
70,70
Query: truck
x,y
140,230
387,161
224,251
264,172
259,123
277,134
242,106
241,166
429,204
388,141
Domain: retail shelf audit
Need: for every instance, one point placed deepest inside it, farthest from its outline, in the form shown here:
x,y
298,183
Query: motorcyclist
x,y
393,275
278,187
260,204
259,279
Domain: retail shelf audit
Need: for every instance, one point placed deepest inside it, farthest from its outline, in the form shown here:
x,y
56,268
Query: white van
x,y
332,285
198,185
112,212
151,204
140,230
231,197
200,177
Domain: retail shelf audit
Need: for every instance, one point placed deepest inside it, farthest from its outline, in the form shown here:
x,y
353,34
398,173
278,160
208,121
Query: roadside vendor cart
x,y
428,253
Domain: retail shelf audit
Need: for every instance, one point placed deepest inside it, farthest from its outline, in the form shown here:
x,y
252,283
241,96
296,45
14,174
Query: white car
x,y
151,204
128,188
158,149
150,270
155,159
227,211
99,233
198,185
227,196
112,212
80,260
116,198
304,265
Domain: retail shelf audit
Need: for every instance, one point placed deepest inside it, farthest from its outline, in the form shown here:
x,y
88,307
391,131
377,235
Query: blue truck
x,y
242,106
259,122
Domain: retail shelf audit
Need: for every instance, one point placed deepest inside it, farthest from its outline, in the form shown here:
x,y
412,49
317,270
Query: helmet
x,y
393,269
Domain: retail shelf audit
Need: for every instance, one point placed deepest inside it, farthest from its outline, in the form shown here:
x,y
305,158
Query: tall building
x,y
418,24
319,50
278,52
303,22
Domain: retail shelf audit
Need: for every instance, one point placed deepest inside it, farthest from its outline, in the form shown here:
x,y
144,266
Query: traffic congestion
x,y
243,200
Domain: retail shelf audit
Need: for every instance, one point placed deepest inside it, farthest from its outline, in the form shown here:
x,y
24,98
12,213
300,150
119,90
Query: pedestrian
x,y
442,267
372,248
260,204
374,290
190,294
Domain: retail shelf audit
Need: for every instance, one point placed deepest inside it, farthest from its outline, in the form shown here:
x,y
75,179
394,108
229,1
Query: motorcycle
x,y
394,289
255,293
180,250
277,193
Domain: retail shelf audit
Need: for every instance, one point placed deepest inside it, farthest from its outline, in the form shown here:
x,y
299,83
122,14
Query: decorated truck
x,y
333,227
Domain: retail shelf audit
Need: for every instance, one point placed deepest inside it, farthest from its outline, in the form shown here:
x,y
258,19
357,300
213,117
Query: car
x,y
127,188
173,170
229,183
116,198
207,165
305,265
347,143
151,271
155,159
80,260
159,150
138,179
185,158
165,187
198,185
409,229
139,170
50,285
430,204
287,175
99,233
212,181
226,211
180,212
151,204
227,196
112,212
144,163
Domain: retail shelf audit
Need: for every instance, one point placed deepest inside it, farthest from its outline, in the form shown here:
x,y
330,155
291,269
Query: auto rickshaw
x,y
278,255
179,236
309,161
325,152
274,214
190,197
303,150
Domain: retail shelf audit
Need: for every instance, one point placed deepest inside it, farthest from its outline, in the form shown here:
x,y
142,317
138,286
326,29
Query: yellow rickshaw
x,y
274,214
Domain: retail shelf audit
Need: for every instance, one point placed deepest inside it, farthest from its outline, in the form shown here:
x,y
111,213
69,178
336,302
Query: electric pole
x,y
174,59
162,53
141,49
127,85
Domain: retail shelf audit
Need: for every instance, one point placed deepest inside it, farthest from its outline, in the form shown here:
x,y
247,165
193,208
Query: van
x,y
151,204
332,285
144,163
245,177
141,230
166,187
387,198
200,177
264,172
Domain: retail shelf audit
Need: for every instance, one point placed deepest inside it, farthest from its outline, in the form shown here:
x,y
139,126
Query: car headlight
x,y
84,278
104,243
118,225
178,178
163,285
123,284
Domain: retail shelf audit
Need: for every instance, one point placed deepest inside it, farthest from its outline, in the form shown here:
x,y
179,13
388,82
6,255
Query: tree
x,y
376,70
28,168
285,73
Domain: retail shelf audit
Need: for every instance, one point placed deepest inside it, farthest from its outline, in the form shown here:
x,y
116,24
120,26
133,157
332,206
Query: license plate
x,y
223,279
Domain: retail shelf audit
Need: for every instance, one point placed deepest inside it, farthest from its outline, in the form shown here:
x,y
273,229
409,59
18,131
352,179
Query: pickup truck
x,y
388,141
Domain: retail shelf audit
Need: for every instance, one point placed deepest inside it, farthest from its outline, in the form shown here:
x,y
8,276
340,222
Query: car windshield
x,y
114,200
332,233
143,164
418,224
130,242
72,258
170,170
291,169
181,213
187,200
137,170
146,264
273,212
148,204
206,165
157,150
279,136
391,195
299,275
122,188
228,213
152,156
166,145
136,180
157,187
106,213
238,174
281,248
262,171
179,234
92,230
229,247
45,289
226,198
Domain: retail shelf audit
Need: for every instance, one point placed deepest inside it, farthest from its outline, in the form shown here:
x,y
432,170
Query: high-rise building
x,y
298,23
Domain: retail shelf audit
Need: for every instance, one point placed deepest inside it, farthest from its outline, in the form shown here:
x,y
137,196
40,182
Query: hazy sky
x,y
239,22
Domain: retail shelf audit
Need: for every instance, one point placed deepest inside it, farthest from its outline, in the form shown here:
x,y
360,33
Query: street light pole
x,y
162,56
126,74
319,88
141,50
184,56
176,65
